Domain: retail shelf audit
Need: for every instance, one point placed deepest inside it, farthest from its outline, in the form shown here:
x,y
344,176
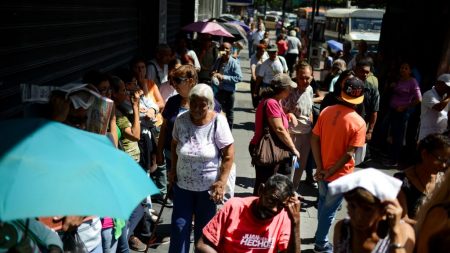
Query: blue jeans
x,y
98,249
185,204
109,243
122,242
135,217
327,207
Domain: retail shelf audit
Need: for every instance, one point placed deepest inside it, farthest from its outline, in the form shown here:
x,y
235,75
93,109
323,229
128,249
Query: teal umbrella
x,y
51,169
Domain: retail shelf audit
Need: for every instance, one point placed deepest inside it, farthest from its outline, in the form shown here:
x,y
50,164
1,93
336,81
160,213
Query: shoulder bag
x,y
270,150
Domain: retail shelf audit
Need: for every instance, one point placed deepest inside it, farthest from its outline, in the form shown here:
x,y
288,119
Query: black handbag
x,y
270,150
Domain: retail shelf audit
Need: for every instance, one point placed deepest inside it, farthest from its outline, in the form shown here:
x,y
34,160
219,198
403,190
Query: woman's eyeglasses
x,y
178,80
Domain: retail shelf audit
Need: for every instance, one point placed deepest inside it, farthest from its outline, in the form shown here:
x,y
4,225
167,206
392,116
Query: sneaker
x,y
327,248
136,244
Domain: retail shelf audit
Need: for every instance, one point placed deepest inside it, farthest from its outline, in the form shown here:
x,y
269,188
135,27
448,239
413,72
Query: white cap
x,y
381,185
445,78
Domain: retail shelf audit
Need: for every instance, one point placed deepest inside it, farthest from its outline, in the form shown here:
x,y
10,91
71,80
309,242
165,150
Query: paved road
x,y
242,132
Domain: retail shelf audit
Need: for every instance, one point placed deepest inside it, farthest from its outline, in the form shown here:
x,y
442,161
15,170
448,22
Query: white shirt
x,y
432,121
161,73
268,69
254,62
293,45
198,151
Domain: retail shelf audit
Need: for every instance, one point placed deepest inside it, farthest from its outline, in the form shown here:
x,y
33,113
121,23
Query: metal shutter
x,y
56,42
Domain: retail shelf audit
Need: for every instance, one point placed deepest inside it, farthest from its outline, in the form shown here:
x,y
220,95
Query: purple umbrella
x,y
242,24
208,28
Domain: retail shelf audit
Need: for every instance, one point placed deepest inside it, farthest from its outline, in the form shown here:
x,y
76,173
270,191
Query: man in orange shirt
x,y
337,134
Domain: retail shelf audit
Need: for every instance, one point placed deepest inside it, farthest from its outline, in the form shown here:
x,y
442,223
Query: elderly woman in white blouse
x,y
202,156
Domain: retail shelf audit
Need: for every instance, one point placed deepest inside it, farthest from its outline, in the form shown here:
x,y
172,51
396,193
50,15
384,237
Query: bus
x,y
354,25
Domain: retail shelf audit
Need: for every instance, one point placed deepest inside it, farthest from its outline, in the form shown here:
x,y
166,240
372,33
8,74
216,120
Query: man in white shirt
x,y
434,107
269,68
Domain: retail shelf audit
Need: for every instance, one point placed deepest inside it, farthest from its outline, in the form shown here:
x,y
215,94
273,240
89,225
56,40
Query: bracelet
x,y
396,246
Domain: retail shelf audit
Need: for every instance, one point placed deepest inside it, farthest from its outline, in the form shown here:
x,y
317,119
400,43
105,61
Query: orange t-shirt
x,y
339,127
235,229
153,93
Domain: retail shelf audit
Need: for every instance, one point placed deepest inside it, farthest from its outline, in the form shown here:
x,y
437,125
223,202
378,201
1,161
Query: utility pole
x,y
284,11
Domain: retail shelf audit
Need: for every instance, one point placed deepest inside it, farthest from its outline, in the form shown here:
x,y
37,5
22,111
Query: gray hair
x,y
202,90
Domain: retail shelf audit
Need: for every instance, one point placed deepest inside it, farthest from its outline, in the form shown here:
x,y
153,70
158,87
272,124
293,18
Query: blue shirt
x,y
231,73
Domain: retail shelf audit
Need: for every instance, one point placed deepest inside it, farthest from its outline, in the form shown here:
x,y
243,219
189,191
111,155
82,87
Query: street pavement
x,y
242,133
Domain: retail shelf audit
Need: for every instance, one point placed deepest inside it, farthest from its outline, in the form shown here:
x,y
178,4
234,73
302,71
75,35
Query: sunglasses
x,y
178,80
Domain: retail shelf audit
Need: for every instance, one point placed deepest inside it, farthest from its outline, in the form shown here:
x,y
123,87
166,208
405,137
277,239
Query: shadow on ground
x,y
250,126
245,182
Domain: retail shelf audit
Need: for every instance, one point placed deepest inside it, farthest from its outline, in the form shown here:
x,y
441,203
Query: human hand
x,y
393,212
150,114
319,175
218,76
217,191
69,223
368,136
134,98
296,153
292,119
292,207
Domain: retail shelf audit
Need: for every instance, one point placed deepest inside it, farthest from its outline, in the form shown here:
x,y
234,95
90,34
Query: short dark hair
x,y
364,62
136,60
281,184
432,142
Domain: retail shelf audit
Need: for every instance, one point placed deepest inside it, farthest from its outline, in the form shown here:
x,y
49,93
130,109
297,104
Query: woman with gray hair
x,y
202,156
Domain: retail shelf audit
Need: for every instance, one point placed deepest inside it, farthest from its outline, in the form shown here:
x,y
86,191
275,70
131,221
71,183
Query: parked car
x,y
270,22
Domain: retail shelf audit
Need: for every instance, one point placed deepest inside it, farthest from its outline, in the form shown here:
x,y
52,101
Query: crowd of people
x,y
174,116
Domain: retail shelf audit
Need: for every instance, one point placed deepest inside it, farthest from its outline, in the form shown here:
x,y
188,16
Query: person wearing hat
x,y
338,132
434,107
271,111
269,68
374,223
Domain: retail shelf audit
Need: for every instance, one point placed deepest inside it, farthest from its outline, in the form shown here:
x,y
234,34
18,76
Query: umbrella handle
x,y
153,236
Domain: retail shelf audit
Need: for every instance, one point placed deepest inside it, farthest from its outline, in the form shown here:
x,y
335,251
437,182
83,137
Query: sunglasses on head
x,y
178,80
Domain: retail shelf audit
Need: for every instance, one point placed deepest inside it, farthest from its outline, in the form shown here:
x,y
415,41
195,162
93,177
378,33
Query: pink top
x,y
236,229
107,222
405,92
273,110
282,47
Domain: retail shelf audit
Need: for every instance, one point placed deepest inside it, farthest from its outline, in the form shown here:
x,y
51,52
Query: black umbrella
x,y
236,30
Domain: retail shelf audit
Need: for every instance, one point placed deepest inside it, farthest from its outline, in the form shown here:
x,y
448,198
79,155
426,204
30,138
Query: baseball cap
x,y
445,78
353,91
282,80
272,48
